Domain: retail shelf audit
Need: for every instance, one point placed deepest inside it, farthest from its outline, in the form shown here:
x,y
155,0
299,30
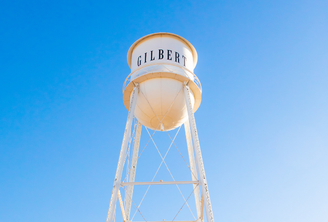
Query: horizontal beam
x,y
159,183
167,221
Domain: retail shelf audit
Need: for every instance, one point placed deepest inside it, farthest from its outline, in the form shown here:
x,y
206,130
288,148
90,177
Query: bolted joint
x,y
136,84
186,83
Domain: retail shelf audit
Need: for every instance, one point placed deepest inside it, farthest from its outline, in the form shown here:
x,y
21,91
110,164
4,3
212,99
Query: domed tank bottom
x,y
162,100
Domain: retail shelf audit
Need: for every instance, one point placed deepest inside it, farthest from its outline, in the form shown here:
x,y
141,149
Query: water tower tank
x,y
161,63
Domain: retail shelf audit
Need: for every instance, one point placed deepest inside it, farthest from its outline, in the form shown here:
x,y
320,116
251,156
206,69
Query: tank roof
x,y
162,34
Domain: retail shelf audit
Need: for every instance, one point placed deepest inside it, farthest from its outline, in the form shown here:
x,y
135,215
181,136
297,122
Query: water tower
x,y
161,93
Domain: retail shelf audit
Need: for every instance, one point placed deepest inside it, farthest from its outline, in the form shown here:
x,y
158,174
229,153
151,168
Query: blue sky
x,y
262,123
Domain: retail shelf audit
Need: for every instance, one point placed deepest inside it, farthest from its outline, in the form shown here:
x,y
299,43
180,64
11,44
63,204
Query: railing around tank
x,y
197,82
129,78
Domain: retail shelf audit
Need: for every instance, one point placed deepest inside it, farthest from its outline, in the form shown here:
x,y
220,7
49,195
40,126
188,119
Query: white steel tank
x,y
161,63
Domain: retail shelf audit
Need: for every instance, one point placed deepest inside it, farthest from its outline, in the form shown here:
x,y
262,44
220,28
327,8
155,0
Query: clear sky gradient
x,y
262,123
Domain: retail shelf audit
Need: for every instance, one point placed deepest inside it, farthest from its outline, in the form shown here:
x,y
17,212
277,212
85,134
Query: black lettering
x,y
152,58
145,57
160,54
139,61
177,57
184,60
169,54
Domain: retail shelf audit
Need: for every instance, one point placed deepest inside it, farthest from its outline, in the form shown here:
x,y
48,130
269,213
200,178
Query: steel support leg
x,y
198,155
121,160
129,190
193,169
